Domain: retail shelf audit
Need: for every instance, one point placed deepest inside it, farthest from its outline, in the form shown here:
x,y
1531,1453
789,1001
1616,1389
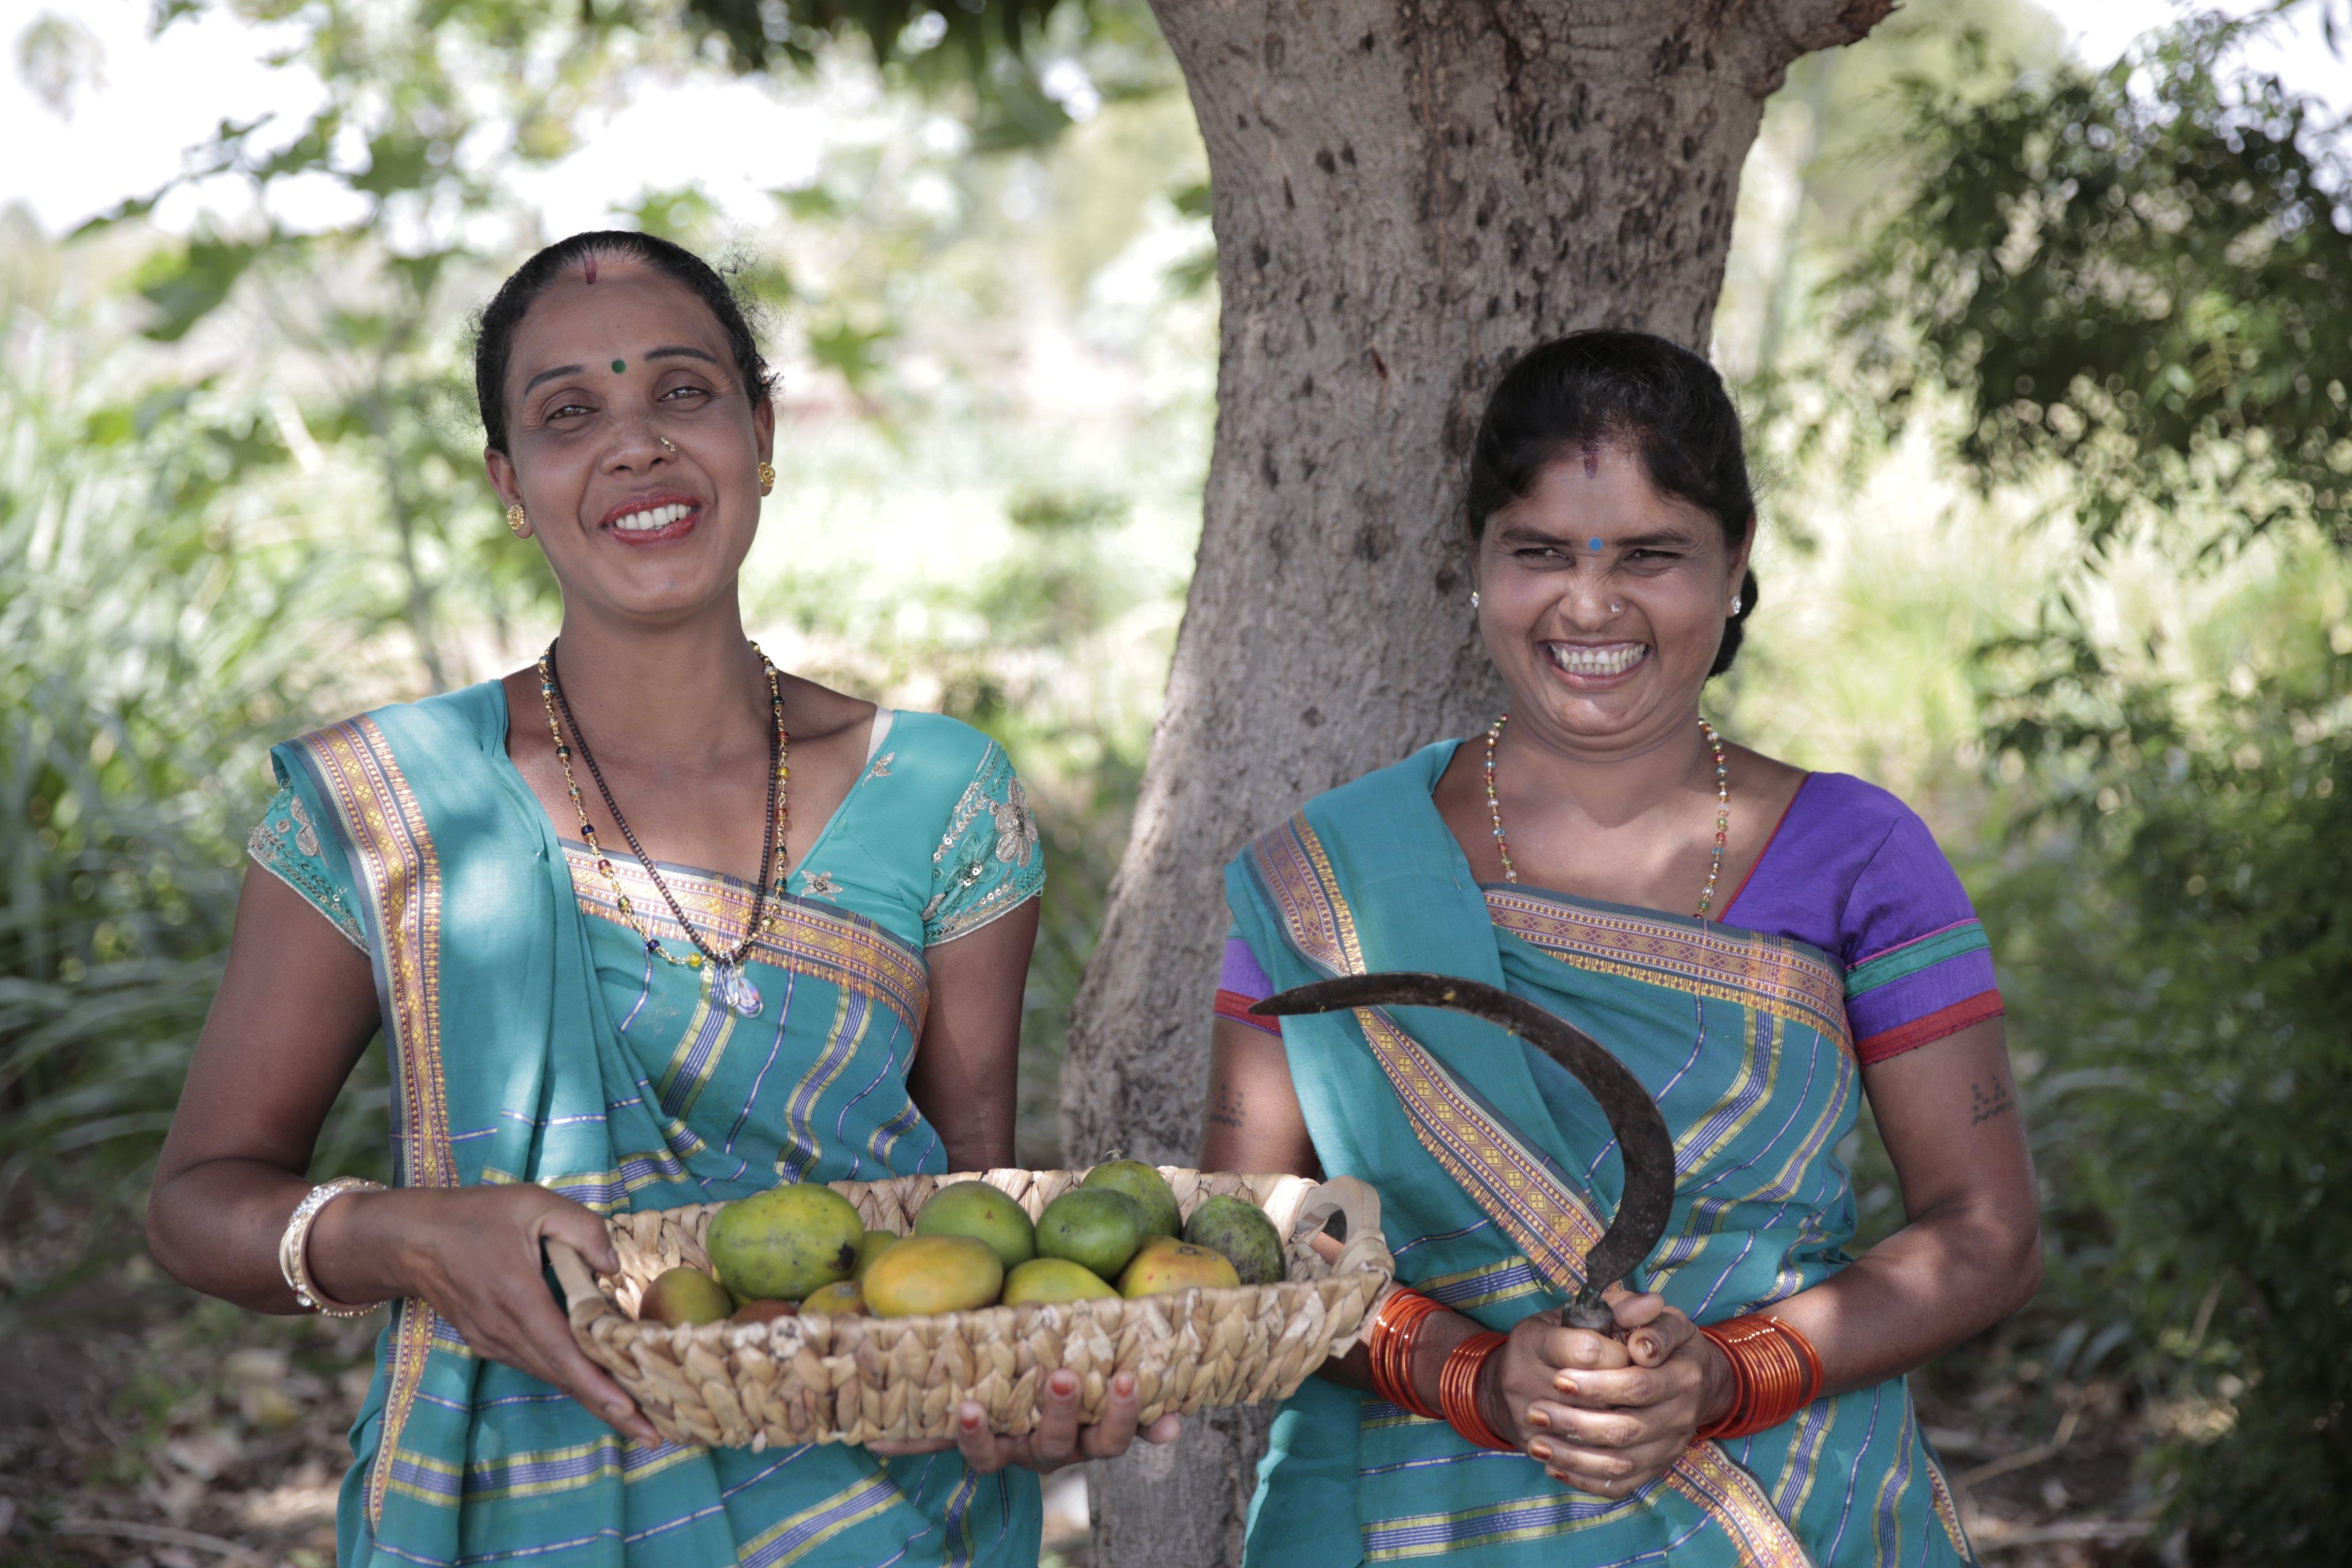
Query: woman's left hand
x,y
1609,1432
1058,1439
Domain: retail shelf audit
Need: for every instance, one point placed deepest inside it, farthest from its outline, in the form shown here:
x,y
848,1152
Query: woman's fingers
x,y
583,1230
1167,1429
1055,1440
546,1337
1115,1433
1576,1350
982,1449
1653,1331
902,1448
1571,1425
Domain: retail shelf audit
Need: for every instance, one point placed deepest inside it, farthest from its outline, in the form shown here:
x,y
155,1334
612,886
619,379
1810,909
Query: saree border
x,y
1508,1181
399,873
1751,970
797,936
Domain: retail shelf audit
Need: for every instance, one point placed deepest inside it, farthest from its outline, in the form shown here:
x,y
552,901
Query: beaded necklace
x,y
726,980
1722,810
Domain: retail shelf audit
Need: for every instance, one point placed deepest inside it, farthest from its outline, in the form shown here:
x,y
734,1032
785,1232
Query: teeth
x,y
1597,660
652,518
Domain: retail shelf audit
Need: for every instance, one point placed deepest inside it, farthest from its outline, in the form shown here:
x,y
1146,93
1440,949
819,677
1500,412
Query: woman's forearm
x,y
1948,1275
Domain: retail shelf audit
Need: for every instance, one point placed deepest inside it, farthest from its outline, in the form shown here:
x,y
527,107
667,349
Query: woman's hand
x,y
473,1254
1616,1416
1058,1439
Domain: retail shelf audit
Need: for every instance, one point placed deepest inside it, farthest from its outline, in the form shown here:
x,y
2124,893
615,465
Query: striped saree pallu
x,y
509,1065
1495,1173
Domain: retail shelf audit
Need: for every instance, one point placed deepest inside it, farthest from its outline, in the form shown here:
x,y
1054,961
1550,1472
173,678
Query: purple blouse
x,y
1849,870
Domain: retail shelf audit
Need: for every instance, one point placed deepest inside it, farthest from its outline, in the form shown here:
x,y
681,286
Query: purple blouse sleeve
x,y
1918,966
1240,981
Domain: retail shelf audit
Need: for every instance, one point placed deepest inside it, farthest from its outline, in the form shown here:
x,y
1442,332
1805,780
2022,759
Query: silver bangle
x,y
294,1247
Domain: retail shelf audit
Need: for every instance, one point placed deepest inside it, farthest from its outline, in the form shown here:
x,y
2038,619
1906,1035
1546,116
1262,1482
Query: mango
x,y
1054,1279
1098,1228
841,1298
979,1211
871,1248
781,1243
684,1295
1237,1230
1145,1185
764,1312
1165,1265
933,1274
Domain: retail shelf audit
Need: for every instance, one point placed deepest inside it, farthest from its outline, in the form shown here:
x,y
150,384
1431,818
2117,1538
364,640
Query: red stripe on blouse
x,y
1234,1006
1934,1026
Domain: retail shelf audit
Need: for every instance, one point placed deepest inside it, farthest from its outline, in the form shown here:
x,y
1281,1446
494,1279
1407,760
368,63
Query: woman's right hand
x,y
474,1254
1527,1369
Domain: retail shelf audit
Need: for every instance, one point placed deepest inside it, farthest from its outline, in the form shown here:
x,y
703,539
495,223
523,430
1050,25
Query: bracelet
x,y
294,1247
1775,1372
1390,1343
1457,1390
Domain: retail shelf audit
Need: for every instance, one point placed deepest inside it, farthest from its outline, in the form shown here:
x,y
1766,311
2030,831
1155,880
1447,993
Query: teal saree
x,y
533,1038
1496,1174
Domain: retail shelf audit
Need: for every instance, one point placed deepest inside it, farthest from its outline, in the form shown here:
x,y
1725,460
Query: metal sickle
x,y
1642,1138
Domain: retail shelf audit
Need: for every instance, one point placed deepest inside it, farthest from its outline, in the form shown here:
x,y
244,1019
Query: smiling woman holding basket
x,y
651,923
1760,946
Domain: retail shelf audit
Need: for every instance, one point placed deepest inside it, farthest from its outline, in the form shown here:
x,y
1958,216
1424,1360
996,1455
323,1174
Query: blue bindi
x,y
1594,544
620,365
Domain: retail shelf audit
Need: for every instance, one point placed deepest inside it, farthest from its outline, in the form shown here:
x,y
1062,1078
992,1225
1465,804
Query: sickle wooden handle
x,y
1642,1138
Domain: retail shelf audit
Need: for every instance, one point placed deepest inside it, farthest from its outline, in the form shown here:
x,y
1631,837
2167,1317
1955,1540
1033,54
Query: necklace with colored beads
x,y
728,981
1722,810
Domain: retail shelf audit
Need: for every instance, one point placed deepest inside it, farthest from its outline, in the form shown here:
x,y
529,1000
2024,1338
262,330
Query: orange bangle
x,y
1775,1372
1457,1390
1390,1343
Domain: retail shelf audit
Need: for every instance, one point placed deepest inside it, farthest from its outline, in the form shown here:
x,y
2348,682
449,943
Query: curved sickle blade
x,y
1649,1153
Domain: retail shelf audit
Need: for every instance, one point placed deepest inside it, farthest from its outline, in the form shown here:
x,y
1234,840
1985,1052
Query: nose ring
x,y
665,446
1615,608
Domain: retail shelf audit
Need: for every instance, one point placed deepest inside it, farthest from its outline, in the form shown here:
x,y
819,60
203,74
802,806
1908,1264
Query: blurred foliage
x,y
155,637
2126,295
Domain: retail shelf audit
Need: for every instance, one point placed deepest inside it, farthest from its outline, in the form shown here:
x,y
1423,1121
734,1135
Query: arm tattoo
x,y
1985,1104
1225,1109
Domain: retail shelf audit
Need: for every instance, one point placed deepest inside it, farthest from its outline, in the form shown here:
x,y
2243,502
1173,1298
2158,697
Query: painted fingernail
x,y
1538,1419
1565,1384
1539,1451
971,1420
1065,1383
1123,1384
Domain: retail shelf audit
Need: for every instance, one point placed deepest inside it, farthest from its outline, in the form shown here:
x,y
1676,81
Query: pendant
x,y
732,987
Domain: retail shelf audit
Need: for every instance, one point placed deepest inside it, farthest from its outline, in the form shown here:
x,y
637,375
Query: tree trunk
x,y
1408,193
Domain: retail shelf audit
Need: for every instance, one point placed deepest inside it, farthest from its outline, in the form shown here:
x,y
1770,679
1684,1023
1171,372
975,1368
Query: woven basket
x,y
854,1379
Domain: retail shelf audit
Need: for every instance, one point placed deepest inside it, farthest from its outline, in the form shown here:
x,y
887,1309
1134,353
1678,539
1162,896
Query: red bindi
x,y
590,277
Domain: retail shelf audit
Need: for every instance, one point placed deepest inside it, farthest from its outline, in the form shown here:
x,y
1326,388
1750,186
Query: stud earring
x,y
517,522
1473,598
1736,602
767,478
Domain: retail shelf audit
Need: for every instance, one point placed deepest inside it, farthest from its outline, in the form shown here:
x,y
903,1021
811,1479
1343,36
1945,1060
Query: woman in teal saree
x,y
650,924
1762,947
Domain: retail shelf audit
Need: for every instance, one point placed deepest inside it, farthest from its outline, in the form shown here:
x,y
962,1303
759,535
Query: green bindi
x,y
619,365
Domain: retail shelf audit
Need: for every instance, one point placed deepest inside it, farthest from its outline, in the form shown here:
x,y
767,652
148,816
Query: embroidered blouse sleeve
x,y
987,862
1918,966
286,843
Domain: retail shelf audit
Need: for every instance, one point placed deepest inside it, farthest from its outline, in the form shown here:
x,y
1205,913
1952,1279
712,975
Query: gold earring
x,y
517,521
767,478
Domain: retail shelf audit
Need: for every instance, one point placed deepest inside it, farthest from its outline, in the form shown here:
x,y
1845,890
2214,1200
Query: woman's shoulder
x,y
933,750
477,712
1851,812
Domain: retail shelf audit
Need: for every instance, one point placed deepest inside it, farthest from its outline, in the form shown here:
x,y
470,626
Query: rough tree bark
x,y
1407,193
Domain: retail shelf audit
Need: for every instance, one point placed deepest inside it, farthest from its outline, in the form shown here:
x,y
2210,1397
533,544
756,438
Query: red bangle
x,y
1775,1372
1390,1343
1457,1390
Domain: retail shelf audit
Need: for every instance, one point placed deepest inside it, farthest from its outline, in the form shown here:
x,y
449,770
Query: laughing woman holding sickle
x,y
651,922
1760,946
